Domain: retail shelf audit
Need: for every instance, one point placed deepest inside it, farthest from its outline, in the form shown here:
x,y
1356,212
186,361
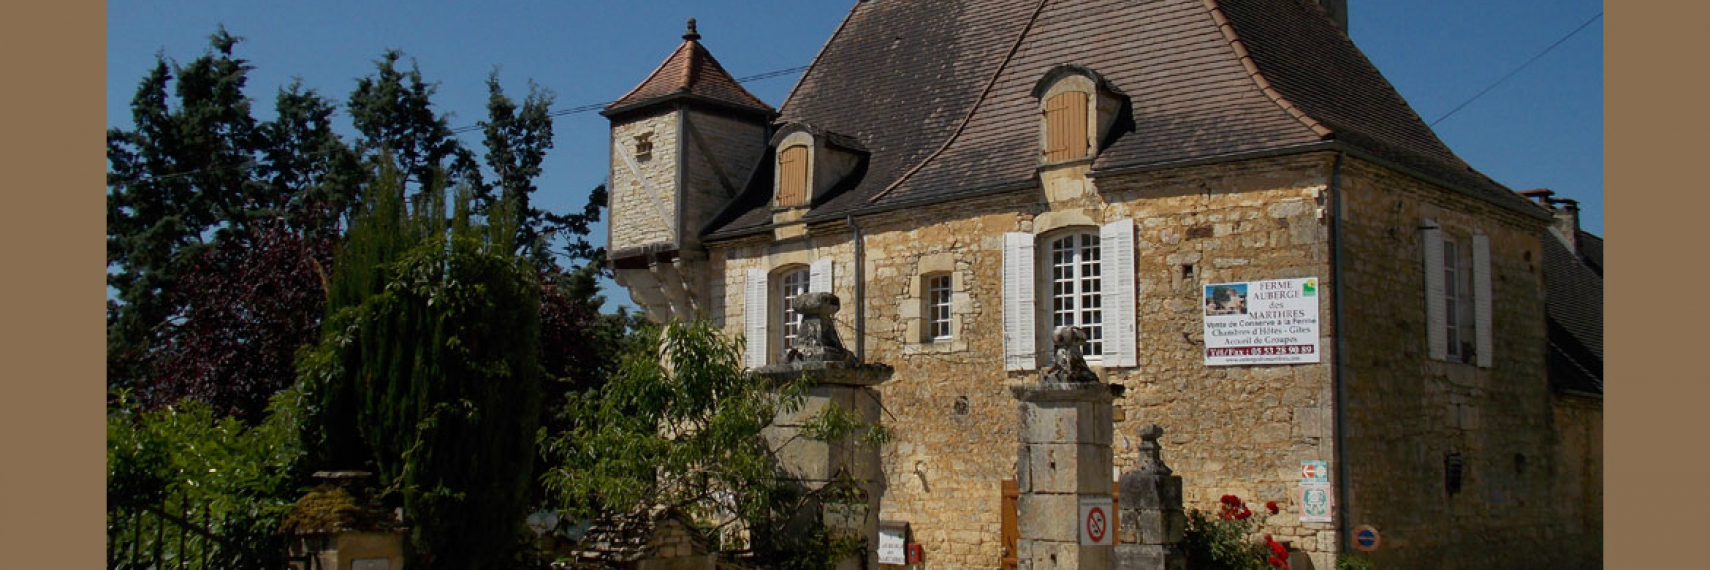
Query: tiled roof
x,y
1573,305
691,70
906,78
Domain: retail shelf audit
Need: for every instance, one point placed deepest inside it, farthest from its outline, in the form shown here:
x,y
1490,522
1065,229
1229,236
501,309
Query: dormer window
x,y
793,176
1077,110
810,163
1066,127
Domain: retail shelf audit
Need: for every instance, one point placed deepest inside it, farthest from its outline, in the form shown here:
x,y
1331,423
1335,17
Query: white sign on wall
x,y
1097,522
1261,322
891,541
1315,502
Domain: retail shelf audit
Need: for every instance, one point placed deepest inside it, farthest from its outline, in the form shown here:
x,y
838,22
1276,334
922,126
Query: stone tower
x,y
682,144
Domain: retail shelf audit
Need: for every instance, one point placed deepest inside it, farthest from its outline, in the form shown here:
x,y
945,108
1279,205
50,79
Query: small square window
x,y
644,146
938,308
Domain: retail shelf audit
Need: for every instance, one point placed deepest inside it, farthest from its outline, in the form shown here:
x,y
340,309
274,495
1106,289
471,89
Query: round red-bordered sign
x,y
1096,524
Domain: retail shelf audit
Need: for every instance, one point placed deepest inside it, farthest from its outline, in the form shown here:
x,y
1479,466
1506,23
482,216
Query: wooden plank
x,y
1011,527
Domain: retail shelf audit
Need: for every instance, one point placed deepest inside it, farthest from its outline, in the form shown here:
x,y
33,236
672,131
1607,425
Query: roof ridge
x,y
822,47
1258,76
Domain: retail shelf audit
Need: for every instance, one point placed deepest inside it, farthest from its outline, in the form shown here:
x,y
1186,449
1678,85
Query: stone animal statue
x,y
816,338
1067,364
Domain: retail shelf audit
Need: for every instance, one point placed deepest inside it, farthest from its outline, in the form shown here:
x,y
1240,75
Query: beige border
x,y
1654,462
51,412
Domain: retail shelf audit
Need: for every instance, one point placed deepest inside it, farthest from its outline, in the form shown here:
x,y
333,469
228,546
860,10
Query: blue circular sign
x,y
1366,538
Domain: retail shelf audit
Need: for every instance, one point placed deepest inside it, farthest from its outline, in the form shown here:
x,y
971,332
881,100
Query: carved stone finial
x,y
691,35
1151,462
1067,364
816,338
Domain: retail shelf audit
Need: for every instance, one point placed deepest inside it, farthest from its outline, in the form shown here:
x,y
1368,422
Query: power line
x,y
1517,69
251,163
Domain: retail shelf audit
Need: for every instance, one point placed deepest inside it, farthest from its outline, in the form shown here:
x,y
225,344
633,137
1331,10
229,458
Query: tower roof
x,y
690,72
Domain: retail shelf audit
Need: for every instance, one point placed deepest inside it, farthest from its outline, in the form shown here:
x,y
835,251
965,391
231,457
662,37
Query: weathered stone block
x,y
1048,517
1149,557
1068,468
1151,492
1052,555
1148,526
1067,422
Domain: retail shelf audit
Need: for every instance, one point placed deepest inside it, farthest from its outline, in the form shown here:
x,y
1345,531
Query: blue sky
x,y
1543,127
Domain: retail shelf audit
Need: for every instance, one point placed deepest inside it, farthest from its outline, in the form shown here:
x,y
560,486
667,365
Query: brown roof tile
x,y
690,70
903,76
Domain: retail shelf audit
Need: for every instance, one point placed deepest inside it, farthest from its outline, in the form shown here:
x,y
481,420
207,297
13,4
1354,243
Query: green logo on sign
x,y
1316,502
1309,288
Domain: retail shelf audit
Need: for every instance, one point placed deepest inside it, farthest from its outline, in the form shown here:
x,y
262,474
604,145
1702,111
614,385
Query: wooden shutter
x,y
1018,329
754,317
1481,298
793,176
1436,321
819,276
1116,257
1066,126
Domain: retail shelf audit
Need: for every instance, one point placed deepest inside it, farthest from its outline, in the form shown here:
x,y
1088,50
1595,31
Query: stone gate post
x,y
1063,466
1152,516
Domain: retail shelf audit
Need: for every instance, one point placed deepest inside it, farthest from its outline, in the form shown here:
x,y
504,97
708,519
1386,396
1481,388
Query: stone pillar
x,y
1152,516
846,472
1065,457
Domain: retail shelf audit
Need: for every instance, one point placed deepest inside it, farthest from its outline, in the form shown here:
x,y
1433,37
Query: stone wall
x,y
1240,430
1406,412
644,209
1579,475
1231,429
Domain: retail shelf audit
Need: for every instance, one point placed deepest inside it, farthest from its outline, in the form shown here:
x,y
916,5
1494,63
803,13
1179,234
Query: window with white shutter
x,y
1436,309
754,317
1481,299
1457,296
1116,239
1019,336
1090,284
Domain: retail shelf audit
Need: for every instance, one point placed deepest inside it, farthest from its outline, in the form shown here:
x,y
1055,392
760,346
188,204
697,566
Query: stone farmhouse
x,y
968,175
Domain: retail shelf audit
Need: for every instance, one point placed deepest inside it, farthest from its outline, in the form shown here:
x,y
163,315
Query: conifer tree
x,y
428,370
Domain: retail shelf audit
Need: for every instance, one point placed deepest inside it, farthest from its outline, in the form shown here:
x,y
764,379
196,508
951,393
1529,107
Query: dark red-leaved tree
x,y
242,311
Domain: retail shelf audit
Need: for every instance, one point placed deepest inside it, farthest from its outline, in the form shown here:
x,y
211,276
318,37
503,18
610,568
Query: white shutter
x,y
1481,297
754,317
1436,321
1116,258
819,276
1018,329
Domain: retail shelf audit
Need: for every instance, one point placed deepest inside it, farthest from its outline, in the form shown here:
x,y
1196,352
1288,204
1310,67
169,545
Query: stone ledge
x,y
1067,392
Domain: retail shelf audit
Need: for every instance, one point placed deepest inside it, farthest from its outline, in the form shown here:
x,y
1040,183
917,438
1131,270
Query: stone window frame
x,y
778,321
1045,282
914,310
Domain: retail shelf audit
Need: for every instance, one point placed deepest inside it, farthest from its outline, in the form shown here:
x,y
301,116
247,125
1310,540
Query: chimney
x,y
1338,11
1567,220
1565,211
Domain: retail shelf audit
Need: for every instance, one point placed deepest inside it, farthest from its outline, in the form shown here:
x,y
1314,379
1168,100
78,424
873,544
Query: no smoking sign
x,y
1097,521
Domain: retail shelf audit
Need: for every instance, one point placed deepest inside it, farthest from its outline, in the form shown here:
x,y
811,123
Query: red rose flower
x,y
1230,499
1243,514
1272,506
1277,563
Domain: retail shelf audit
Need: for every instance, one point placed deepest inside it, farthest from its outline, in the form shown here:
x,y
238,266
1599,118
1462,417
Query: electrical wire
x,y
251,163
1517,69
